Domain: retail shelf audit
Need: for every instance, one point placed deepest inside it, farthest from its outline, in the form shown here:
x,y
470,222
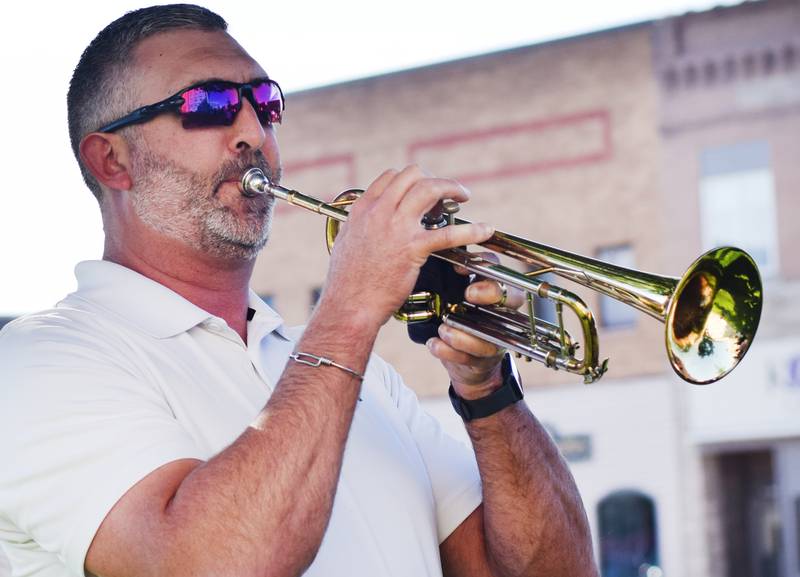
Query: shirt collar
x,y
150,306
265,320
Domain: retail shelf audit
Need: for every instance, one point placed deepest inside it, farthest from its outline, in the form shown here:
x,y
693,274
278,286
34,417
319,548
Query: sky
x,y
49,221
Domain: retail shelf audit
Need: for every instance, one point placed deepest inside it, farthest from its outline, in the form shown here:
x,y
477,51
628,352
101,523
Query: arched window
x,y
671,79
627,527
710,72
789,57
729,68
690,75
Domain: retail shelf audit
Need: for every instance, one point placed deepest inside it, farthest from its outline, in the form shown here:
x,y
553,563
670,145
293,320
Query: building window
x,y
749,65
627,526
710,72
789,57
690,75
613,313
729,68
769,61
737,202
671,79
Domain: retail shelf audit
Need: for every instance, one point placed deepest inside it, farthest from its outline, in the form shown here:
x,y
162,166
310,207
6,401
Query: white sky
x,y
49,220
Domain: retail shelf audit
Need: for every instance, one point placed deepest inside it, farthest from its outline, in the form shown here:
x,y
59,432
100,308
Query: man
x,y
163,421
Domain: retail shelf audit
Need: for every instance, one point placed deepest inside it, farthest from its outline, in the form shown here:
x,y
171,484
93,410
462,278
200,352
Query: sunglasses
x,y
212,103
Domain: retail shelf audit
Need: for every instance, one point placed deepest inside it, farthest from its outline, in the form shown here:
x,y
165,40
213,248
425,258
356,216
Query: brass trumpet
x,y
711,313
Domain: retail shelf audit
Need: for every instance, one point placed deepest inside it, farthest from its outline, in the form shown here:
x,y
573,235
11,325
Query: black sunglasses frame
x,y
174,102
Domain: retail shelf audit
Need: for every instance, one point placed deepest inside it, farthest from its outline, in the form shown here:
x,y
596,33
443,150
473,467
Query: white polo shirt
x,y
124,376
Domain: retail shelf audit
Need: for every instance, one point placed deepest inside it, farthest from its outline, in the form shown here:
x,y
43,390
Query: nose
x,y
246,131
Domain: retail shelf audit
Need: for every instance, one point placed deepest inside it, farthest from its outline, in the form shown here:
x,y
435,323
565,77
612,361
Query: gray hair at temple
x,y
97,92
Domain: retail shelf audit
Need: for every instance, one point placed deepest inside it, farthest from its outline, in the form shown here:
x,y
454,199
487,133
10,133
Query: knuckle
x,y
465,192
454,189
415,170
429,187
436,188
449,234
494,351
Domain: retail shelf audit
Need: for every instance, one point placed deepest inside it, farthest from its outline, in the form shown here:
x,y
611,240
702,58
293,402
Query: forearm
x,y
262,505
534,519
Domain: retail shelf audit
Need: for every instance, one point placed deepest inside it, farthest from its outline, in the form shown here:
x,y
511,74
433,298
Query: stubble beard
x,y
183,205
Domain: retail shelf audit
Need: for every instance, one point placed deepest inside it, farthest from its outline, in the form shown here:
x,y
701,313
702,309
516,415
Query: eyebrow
x,y
206,80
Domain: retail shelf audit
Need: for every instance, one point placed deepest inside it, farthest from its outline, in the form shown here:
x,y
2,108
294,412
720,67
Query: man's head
x,y
179,182
100,89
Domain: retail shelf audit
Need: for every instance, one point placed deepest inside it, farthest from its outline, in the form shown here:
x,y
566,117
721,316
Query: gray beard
x,y
182,205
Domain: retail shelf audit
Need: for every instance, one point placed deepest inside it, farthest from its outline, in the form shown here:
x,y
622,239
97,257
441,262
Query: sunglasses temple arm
x,y
142,114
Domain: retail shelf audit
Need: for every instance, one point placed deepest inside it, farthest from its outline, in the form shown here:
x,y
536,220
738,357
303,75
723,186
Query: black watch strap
x,y
509,393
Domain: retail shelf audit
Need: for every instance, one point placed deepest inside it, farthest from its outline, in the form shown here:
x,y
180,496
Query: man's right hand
x,y
381,247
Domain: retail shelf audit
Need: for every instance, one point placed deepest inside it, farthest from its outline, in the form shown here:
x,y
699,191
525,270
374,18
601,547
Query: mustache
x,y
234,168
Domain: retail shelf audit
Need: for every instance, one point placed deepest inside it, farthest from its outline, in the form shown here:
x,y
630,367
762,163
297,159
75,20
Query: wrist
x,y
478,390
351,322
341,339
507,394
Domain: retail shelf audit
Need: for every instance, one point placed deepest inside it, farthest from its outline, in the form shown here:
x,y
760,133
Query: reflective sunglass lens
x,y
269,105
209,106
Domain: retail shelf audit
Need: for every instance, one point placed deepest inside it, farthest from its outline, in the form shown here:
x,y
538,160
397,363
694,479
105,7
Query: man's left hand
x,y
472,363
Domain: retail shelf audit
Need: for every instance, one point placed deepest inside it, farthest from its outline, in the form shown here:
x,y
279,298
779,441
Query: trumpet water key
x,y
710,313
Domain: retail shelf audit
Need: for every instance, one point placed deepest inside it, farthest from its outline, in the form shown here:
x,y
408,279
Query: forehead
x,y
169,61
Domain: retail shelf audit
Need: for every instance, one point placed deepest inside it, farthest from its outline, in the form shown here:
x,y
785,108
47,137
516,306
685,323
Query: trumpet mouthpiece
x,y
254,183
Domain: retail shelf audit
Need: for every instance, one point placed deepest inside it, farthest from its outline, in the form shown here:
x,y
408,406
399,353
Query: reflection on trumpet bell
x,y
711,313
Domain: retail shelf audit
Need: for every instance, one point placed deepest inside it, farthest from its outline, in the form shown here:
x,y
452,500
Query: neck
x,y
216,285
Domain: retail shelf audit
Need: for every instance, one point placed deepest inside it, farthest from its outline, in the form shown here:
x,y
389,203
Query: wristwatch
x,y
509,393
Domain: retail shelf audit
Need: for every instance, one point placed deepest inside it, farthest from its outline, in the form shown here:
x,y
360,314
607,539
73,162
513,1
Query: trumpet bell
x,y
713,315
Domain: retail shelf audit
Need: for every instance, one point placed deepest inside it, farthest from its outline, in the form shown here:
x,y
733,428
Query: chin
x,y
235,248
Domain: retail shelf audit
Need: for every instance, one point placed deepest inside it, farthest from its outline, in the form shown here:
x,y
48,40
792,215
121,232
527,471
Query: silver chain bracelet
x,y
315,361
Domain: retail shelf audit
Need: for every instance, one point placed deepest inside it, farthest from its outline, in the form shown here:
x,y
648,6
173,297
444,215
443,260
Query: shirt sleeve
x,y
451,464
79,426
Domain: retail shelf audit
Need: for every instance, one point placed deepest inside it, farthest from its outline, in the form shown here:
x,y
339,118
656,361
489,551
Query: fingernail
x,y
472,292
488,229
429,343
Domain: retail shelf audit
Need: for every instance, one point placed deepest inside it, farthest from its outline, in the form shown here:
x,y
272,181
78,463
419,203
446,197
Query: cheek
x,y
198,151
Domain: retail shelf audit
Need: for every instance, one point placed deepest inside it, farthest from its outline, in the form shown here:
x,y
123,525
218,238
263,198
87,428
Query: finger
x,y
466,343
457,235
491,292
401,183
444,352
380,184
425,193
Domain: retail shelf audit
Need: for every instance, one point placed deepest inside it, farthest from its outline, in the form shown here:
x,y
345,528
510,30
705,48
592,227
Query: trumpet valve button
x,y
440,215
450,206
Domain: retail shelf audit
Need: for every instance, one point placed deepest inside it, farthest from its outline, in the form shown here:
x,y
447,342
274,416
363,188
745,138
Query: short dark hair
x,y
96,92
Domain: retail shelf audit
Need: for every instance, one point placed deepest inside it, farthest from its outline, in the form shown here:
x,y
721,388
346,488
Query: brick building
x,y
642,145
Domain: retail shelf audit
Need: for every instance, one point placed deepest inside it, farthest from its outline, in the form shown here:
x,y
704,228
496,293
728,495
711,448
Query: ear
x,y
107,158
